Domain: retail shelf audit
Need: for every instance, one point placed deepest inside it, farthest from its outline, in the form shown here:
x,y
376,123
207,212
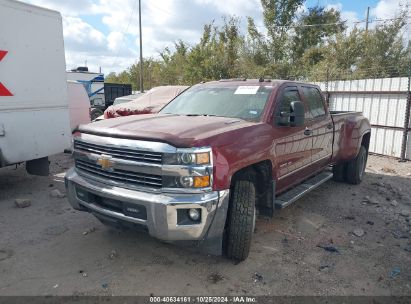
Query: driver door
x,y
292,144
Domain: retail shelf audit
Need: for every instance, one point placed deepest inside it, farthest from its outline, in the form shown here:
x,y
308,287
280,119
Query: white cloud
x,y
389,8
78,33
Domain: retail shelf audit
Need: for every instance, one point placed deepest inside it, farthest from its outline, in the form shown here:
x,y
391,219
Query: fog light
x,y
194,214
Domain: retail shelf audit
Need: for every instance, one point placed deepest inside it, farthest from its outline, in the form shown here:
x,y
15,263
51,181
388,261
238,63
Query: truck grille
x,y
122,176
120,153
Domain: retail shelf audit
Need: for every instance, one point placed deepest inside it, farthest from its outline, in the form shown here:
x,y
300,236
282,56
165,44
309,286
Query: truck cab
x,y
201,169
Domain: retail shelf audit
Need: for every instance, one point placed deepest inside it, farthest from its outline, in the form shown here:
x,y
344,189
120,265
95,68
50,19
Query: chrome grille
x,y
120,153
118,175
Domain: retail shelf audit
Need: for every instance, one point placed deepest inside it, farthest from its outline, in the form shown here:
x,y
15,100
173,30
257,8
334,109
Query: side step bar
x,y
295,193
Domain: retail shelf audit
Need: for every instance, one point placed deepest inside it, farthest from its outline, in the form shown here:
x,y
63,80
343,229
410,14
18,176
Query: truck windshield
x,y
245,102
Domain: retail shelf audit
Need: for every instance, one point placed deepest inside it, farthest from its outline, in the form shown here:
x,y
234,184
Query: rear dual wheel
x,y
353,171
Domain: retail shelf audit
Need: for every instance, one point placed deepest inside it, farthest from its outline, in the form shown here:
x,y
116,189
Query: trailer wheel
x,y
94,113
356,167
241,220
340,172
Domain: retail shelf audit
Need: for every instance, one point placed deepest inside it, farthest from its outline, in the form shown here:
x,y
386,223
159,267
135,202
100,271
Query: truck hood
x,y
177,130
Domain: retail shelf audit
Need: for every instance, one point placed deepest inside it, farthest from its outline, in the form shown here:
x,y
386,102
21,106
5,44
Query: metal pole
x,y
406,121
367,19
141,48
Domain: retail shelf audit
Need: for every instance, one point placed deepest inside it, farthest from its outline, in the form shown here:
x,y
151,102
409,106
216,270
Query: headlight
x,y
186,181
188,168
187,158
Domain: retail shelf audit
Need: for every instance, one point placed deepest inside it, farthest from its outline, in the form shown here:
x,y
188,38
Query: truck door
x,y
292,144
320,124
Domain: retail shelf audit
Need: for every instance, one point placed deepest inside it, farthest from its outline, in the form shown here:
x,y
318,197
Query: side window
x,y
314,102
289,95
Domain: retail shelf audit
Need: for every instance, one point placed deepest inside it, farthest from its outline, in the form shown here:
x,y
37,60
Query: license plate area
x,y
128,209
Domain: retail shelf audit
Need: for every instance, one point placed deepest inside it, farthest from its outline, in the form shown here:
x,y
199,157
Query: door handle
x,y
329,126
308,132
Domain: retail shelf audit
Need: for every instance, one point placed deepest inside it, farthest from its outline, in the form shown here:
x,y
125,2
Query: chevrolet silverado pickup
x,y
218,154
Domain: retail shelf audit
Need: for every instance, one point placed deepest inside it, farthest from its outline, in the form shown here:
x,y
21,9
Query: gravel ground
x,y
50,249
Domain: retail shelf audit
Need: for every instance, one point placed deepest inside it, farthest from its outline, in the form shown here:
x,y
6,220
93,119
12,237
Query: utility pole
x,y
141,48
367,20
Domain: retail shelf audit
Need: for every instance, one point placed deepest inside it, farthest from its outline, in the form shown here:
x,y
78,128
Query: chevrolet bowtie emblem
x,y
105,162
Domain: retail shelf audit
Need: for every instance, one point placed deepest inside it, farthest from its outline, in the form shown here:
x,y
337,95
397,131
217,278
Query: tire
x,y
340,172
241,220
95,113
356,167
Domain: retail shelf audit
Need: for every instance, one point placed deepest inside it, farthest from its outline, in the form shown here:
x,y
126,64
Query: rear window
x,y
245,102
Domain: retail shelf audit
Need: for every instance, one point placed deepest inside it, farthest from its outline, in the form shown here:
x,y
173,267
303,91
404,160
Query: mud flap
x,y
38,166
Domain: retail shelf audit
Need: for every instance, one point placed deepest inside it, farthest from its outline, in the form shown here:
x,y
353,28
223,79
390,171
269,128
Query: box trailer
x,y
34,114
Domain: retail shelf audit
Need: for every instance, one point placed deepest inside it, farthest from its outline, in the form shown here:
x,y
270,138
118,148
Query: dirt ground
x,y
310,248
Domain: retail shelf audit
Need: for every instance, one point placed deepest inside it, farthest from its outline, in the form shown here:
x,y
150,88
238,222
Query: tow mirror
x,y
297,114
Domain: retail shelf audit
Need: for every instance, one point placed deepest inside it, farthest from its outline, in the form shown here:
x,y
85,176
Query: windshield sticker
x,y
246,90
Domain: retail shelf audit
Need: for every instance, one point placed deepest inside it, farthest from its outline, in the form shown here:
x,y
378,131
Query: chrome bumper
x,y
161,208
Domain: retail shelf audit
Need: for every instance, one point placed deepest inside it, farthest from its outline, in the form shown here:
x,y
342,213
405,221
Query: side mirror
x,y
297,114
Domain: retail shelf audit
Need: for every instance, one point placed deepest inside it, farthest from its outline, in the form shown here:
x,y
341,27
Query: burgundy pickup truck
x,y
220,152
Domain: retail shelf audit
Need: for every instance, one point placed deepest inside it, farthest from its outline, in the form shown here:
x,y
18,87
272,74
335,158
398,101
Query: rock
x,y
57,193
405,213
323,267
379,184
215,278
22,202
388,170
370,200
90,230
398,234
257,277
358,232
394,203
83,273
113,254
329,248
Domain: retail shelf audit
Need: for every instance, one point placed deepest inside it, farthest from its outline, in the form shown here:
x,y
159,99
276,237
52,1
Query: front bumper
x,y
161,209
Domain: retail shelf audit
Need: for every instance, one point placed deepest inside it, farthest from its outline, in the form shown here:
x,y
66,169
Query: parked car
x,y
124,99
150,102
201,168
34,112
79,104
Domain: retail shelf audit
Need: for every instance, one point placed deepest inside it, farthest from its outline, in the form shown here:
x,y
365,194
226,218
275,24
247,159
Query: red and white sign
x,y
3,90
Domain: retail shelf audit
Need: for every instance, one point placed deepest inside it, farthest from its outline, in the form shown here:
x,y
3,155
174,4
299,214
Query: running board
x,y
297,192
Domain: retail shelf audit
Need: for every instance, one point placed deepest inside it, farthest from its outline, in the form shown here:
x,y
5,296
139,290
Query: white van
x,y
34,114
79,104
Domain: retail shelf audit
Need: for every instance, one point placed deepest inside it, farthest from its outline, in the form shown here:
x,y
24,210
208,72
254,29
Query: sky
x,y
104,33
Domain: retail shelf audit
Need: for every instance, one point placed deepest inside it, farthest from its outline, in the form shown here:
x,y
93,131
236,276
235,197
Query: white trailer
x,y
34,114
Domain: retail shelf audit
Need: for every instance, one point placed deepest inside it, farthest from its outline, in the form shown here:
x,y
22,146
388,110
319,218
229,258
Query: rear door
x,y
292,145
319,124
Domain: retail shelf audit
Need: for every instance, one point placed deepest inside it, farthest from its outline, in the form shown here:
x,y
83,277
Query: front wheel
x,y
241,220
356,167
